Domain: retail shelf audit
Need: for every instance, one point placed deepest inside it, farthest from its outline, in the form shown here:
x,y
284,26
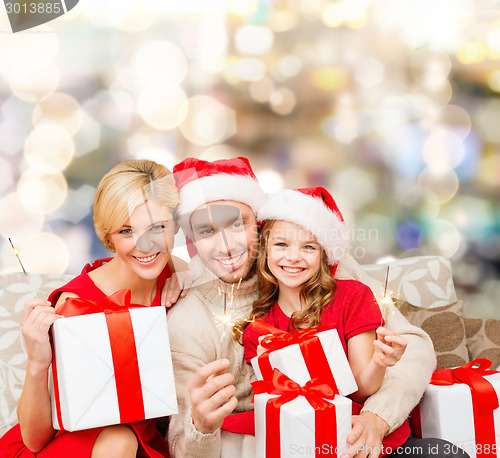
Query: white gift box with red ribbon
x,y
321,354
299,425
464,413
99,379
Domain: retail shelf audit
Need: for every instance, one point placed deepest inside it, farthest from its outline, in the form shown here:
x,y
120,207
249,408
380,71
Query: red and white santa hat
x,y
315,210
200,182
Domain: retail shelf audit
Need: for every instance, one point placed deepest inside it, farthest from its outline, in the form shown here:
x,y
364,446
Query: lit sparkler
x,y
386,298
15,252
227,321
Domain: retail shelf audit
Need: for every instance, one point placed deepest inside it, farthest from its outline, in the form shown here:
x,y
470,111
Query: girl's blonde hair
x,y
315,294
126,186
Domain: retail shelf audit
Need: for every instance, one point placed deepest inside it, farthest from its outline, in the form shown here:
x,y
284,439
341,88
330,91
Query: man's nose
x,y
226,241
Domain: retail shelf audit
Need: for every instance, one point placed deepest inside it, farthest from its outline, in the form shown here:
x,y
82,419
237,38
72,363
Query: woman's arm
x,y
34,409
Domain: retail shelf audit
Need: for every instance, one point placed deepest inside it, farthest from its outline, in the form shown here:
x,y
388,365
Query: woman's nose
x,y
144,243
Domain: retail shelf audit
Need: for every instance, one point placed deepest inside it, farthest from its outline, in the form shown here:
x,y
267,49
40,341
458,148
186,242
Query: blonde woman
x,y
133,218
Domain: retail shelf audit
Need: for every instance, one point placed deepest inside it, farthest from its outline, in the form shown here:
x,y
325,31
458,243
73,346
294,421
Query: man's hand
x,y
212,396
365,437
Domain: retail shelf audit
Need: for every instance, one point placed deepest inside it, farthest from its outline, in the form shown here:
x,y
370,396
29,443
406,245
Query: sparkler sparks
x,y
227,320
15,252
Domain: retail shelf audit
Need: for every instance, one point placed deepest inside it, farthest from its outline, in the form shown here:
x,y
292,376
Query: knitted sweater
x,y
197,339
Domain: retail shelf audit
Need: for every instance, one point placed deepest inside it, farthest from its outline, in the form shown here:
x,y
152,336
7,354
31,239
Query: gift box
x,y
461,406
293,421
309,353
110,367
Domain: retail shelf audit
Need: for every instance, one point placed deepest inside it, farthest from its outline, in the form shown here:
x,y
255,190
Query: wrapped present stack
x,y
111,364
461,405
300,403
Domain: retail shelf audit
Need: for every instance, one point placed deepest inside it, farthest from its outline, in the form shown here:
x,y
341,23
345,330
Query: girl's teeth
x,y
292,271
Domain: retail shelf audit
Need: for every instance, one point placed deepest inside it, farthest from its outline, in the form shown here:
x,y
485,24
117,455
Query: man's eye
x,y
205,232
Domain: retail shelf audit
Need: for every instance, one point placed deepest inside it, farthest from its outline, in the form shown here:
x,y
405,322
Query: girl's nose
x,y
292,254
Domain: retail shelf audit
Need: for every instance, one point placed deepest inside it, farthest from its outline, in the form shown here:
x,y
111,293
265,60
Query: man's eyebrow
x,y
199,226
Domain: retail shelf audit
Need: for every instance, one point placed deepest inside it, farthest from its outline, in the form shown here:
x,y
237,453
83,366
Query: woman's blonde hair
x,y
126,186
315,294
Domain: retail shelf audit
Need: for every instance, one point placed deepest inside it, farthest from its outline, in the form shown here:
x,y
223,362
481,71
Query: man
x,y
217,212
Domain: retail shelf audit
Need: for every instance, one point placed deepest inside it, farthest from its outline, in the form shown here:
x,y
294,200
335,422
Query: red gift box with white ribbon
x,y
111,364
293,420
461,406
306,354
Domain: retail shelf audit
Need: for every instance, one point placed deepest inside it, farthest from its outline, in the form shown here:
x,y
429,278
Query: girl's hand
x,y
389,347
260,348
38,316
176,286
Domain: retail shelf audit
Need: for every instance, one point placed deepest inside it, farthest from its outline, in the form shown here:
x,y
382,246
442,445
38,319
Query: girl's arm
x,y
369,359
34,409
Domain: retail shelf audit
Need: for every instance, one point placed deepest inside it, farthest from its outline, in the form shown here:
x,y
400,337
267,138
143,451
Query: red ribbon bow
x,y
316,394
123,351
309,344
117,302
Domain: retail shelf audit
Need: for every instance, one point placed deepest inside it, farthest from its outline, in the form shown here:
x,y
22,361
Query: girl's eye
x,y
281,244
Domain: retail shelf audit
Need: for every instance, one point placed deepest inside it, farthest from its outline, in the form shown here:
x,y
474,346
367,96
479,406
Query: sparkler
x,y
15,252
386,299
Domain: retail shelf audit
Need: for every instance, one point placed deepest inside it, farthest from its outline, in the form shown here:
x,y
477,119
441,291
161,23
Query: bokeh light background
x,y
393,105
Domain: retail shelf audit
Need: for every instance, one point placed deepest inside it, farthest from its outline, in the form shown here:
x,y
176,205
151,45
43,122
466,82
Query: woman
x,y
133,209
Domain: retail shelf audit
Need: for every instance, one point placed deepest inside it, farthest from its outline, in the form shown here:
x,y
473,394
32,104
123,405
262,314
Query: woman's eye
x,y
310,247
158,227
125,232
281,244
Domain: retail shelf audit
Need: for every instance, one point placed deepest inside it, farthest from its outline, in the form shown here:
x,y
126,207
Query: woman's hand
x,y
176,286
38,316
389,347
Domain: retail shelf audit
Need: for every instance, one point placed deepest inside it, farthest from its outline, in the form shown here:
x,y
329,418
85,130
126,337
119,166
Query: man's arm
x,y
405,382
202,386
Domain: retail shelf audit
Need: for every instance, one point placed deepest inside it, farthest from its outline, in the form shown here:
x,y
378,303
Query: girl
x,y
133,217
303,238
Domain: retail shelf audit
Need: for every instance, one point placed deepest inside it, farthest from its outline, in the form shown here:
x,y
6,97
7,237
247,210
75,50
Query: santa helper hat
x,y
200,182
315,210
